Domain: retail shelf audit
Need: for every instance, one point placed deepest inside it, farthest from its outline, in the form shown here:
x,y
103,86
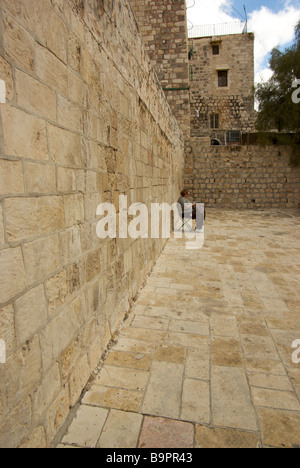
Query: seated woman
x,y
192,210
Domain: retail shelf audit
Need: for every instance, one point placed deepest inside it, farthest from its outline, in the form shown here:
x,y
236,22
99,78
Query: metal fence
x,y
220,29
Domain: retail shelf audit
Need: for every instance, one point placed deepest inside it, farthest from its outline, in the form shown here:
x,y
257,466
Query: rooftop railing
x,y
220,29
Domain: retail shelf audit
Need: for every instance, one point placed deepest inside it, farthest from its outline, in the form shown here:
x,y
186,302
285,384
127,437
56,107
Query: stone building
x,y
222,86
163,25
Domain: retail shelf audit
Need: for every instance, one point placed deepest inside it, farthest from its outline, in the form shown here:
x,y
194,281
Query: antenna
x,y
246,17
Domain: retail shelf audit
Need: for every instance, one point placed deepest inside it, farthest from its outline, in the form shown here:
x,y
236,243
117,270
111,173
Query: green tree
x,y
276,110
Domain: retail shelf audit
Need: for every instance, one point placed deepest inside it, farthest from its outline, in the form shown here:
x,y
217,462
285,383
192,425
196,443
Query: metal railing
x,y
220,29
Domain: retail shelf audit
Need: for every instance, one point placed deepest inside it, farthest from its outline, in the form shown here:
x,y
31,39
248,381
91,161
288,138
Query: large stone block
x,y
46,26
51,70
11,177
31,313
18,44
69,115
40,178
17,425
30,217
65,147
31,142
59,333
34,96
12,273
42,257
48,389
56,292
23,371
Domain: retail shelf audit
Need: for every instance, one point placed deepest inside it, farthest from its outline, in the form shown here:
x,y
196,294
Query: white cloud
x,y
208,12
271,29
263,75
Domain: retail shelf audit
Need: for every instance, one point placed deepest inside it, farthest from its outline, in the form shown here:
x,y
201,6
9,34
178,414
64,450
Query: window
x,y
234,136
215,49
214,121
223,78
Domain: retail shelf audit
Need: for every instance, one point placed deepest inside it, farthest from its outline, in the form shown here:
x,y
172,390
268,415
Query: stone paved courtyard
x,y
205,358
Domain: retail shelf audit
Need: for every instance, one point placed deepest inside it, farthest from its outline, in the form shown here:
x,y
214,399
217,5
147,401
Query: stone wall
x,y
85,120
241,177
234,103
163,25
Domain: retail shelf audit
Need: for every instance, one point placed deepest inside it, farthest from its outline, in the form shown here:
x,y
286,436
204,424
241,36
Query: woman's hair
x,y
184,192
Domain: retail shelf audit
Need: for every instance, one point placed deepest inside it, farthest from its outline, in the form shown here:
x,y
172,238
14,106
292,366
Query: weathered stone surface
x,y
19,45
86,427
163,395
224,438
279,428
34,96
231,399
12,273
42,257
166,433
31,313
11,177
118,398
195,401
121,430
32,140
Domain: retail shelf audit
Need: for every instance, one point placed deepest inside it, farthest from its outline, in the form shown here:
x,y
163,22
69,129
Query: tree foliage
x,y
276,110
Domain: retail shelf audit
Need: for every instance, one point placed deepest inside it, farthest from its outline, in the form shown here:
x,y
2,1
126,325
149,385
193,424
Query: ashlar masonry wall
x,y
85,120
241,177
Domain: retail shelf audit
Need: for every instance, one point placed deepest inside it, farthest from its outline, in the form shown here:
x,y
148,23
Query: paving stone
x,y
226,352
206,437
163,394
121,430
86,427
279,428
275,399
279,382
197,364
136,361
195,401
166,433
149,322
231,400
130,379
118,398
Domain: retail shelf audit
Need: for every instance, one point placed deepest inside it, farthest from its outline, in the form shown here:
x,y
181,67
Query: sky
x,y
272,21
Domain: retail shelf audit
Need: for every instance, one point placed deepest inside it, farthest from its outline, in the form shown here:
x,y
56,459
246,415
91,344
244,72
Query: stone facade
x,y
221,84
163,25
241,177
85,120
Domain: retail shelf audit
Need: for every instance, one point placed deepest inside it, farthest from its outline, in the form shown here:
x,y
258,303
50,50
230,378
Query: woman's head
x,y
185,193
